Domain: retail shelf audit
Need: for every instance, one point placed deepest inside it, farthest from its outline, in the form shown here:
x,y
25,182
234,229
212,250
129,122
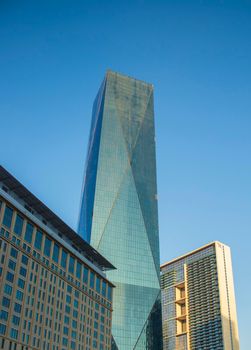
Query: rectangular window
x,y
10,277
7,219
109,296
67,309
71,264
55,252
78,273
19,295
38,240
15,320
22,271
47,247
66,330
12,265
13,253
64,258
74,334
28,233
4,315
85,275
13,333
6,302
104,288
92,276
2,329
98,285
21,283
17,308
8,289
18,227
25,260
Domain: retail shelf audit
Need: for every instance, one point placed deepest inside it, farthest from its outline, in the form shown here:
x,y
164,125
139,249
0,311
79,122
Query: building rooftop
x,y
35,206
190,253
110,72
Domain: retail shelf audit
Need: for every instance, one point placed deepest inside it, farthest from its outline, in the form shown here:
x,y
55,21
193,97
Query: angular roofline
x,y
13,185
110,71
191,253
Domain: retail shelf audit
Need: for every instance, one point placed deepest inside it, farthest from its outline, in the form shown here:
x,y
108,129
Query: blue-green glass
x,y
64,258
28,232
71,266
7,219
55,254
123,220
47,246
85,275
38,240
18,227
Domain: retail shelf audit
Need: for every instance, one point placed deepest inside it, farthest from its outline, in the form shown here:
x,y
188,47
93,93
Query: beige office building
x,y
54,293
198,301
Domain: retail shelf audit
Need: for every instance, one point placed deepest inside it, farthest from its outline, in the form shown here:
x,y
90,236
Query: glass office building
x,y
54,294
118,214
198,301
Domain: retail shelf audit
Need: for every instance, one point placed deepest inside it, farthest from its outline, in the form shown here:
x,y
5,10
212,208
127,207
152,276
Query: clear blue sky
x,y
53,56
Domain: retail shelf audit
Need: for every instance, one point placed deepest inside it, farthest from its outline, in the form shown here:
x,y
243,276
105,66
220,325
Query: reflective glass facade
x,y
118,214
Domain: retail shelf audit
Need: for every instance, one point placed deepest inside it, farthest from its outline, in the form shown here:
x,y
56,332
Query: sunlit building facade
x,y
54,293
198,301
118,213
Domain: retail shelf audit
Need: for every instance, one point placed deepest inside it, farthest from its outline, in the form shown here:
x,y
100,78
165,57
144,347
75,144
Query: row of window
x,y
44,291
24,259
53,251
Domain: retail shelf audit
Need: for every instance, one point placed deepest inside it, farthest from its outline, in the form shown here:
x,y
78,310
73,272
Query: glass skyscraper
x,y
118,213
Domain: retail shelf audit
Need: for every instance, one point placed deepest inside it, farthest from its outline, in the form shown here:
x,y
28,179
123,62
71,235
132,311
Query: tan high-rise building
x,y
54,294
198,301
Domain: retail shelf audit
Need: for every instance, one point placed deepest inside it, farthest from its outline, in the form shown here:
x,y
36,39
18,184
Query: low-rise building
x,y
54,293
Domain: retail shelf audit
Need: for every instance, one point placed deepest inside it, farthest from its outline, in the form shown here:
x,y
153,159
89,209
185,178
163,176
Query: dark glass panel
x,y
98,282
71,264
18,225
92,279
8,214
79,266
38,240
64,258
47,246
85,275
28,232
55,254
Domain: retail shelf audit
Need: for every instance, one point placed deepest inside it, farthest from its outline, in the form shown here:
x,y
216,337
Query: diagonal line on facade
x,y
122,180
126,170
135,346
130,160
